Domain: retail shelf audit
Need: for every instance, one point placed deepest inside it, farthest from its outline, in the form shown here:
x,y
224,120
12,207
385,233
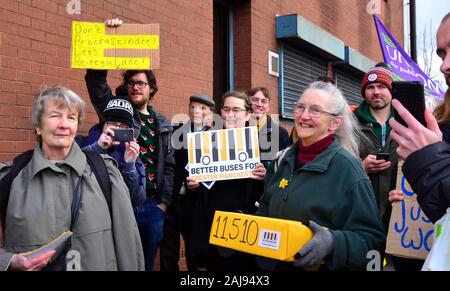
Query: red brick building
x,y
206,46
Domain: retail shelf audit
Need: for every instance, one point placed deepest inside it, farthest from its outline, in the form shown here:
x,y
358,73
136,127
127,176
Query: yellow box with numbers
x,y
268,237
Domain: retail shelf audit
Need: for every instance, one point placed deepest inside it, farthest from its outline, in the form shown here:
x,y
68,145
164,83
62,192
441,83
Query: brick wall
x,y
35,39
348,20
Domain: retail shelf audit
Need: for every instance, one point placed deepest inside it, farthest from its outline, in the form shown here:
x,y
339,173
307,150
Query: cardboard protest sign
x,y
128,46
223,154
410,231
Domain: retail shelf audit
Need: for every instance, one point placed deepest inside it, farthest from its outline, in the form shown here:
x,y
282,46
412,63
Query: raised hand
x,y
113,22
415,136
131,151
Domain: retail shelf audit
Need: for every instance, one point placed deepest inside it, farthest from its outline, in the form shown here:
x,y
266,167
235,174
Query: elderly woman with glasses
x,y
238,195
320,182
58,191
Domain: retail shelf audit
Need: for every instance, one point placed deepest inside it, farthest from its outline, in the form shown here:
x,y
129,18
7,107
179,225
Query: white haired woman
x,y
45,193
320,182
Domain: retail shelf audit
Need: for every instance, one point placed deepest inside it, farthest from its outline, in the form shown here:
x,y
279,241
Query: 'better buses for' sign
x,y
223,154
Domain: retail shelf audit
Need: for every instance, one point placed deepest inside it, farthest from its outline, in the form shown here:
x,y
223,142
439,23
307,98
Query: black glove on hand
x,y
320,246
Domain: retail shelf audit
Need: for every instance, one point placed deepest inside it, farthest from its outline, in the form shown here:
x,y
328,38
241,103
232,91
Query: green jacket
x,y
382,182
39,210
333,191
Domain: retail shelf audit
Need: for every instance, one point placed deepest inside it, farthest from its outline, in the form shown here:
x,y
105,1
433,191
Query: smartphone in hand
x,y
123,134
411,95
383,156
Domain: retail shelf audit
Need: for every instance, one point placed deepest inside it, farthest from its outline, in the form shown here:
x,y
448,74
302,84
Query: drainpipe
x,y
413,34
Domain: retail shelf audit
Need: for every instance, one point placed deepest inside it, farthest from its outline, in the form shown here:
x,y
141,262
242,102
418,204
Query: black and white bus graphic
x,y
238,144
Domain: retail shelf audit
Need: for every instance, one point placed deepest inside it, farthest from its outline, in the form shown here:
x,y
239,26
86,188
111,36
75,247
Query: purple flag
x,y
403,67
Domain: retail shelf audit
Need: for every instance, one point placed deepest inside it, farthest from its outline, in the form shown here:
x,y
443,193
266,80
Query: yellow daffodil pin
x,y
283,183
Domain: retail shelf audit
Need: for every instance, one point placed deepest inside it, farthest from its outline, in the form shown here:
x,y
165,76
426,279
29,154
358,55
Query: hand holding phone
x,y
383,156
374,163
411,95
131,151
418,136
123,134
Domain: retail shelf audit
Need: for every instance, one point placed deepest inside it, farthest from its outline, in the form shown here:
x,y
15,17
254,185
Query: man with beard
x,y
373,115
153,132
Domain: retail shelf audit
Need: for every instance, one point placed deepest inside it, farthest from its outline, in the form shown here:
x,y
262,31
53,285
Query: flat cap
x,y
202,98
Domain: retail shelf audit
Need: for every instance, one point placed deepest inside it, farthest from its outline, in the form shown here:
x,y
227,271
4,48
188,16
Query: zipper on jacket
x,y
285,197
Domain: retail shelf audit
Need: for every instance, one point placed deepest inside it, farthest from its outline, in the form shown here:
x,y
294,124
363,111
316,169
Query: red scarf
x,y
307,154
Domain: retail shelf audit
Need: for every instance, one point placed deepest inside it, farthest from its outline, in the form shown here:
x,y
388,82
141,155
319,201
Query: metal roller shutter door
x,y
349,85
299,70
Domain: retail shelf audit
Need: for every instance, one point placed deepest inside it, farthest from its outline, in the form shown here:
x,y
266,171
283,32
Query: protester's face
x,y
200,114
260,104
443,49
378,96
314,127
139,95
57,129
234,114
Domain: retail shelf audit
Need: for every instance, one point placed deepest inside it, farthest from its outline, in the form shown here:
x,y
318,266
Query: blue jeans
x,y
150,220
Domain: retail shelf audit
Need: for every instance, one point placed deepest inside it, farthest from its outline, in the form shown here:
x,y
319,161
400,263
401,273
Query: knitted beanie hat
x,y
376,75
119,109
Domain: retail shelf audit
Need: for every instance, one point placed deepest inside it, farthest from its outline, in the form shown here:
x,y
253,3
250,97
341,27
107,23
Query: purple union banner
x,y
403,67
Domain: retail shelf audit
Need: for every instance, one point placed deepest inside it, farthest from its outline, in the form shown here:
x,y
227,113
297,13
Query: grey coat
x,y
39,210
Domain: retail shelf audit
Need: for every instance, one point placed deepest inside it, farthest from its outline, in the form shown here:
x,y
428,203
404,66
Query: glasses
x,y
314,111
257,100
116,124
140,84
235,110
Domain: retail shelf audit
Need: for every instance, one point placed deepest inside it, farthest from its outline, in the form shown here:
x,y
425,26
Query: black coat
x,y
269,147
428,172
239,195
180,155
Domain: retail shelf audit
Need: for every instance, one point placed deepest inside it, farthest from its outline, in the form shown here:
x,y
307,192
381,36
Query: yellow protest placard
x,y
263,236
223,154
128,46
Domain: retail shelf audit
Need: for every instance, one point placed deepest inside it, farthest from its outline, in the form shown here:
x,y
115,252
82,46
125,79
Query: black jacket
x,y
445,128
100,93
179,143
385,181
238,195
428,172
180,155
266,134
